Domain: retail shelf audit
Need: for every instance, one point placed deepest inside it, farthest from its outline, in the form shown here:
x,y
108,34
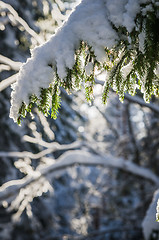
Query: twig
x,y
60,5
7,82
13,64
51,147
22,22
26,154
48,131
4,67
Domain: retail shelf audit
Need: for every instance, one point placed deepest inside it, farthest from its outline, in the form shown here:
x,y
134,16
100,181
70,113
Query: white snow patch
x,y
132,8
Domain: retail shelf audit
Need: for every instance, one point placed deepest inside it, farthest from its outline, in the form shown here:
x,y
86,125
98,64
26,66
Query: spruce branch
x,y
129,49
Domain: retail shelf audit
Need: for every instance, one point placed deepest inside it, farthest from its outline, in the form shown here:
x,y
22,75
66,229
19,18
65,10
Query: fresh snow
x,y
90,21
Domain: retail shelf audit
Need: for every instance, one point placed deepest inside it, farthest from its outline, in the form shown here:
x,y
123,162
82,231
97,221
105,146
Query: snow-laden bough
x,y
120,37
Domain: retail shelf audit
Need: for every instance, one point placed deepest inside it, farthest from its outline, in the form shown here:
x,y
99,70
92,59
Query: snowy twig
x,y
51,147
54,146
74,158
13,64
7,82
22,22
9,64
48,131
60,5
40,142
26,154
4,67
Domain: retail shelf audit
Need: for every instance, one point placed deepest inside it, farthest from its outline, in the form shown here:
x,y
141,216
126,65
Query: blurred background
x,y
90,174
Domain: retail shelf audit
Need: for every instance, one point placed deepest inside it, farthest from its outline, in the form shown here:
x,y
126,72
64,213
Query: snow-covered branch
x,y
72,158
87,42
51,147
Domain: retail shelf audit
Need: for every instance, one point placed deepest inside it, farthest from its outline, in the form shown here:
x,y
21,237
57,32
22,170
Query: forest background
x,y
89,174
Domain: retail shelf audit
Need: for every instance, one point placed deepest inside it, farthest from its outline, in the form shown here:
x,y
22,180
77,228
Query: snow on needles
x,y
91,21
